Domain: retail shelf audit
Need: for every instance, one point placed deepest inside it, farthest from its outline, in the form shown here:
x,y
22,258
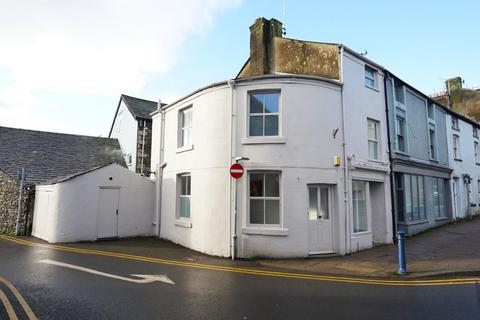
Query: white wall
x,y
467,165
362,103
208,162
125,130
74,206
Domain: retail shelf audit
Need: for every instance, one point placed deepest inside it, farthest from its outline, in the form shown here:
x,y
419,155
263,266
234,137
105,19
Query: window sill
x,y
403,153
264,140
265,231
411,223
361,233
442,219
183,223
456,129
459,160
373,88
184,149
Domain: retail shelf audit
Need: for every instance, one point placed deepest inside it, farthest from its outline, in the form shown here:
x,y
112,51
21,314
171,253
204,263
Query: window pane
x,y
272,211
312,203
256,125
324,203
256,103
441,198
188,181
421,197
436,208
256,211
408,197
271,125
183,182
360,222
373,150
271,102
372,130
369,82
256,184
431,111
184,207
272,185
415,206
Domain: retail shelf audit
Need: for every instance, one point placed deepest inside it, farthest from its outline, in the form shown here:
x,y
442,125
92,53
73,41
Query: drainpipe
x,y
233,187
159,171
345,167
389,141
143,146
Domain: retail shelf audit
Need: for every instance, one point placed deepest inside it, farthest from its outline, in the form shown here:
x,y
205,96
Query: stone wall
x,y
9,196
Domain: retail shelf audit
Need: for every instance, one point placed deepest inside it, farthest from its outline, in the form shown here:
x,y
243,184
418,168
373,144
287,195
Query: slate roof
x,y
49,156
139,108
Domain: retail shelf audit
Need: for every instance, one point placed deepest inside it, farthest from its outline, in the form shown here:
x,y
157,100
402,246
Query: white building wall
x,y
208,162
310,112
125,130
361,103
465,199
73,210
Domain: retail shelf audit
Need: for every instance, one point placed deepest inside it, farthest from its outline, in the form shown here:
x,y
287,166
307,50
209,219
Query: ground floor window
x,y
410,197
184,194
264,198
438,188
359,203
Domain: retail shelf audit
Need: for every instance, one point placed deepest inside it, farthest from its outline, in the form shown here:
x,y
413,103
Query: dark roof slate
x,y
49,156
140,108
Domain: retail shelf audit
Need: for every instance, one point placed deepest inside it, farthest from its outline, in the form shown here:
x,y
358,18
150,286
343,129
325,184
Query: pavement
x,y
450,250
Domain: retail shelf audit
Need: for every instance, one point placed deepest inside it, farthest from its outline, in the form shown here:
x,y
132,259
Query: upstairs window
x,y
185,138
373,141
456,147
475,132
399,92
477,156
431,111
263,115
432,142
370,77
455,123
401,138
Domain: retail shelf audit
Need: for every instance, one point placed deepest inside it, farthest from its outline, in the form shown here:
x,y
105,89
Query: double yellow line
x,y
258,272
8,306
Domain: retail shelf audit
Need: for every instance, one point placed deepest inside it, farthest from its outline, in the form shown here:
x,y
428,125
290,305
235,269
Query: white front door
x,y
320,226
107,220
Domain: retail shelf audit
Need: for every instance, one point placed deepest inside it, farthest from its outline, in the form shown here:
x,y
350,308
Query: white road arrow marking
x,y
145,278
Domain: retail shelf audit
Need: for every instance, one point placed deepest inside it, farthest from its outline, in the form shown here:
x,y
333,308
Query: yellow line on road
x,y
8,306
20,299
259,272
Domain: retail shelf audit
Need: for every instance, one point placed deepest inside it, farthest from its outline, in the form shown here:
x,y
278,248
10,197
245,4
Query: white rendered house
x,y
317,176
464,157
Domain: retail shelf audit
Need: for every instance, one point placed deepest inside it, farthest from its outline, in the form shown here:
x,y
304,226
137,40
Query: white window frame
x,y
457,155
405,136
373,78
264,198
264,114
475,132
180,195
434,156
376,141
182,128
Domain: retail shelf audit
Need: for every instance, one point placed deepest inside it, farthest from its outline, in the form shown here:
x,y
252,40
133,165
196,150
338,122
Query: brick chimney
x,y
262,33
454,93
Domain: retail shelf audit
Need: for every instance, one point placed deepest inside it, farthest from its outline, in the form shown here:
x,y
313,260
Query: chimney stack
x,y
262,33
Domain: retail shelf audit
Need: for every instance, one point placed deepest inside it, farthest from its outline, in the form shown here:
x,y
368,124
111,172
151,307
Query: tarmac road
x,y
71,291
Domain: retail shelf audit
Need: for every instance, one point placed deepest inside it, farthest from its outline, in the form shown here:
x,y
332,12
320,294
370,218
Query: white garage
x,y
106,202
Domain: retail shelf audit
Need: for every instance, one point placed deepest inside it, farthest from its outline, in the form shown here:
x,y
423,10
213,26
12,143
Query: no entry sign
x,y
236,171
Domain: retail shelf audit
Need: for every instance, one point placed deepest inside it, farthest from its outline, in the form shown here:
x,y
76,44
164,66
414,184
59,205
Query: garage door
x,y
107,221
